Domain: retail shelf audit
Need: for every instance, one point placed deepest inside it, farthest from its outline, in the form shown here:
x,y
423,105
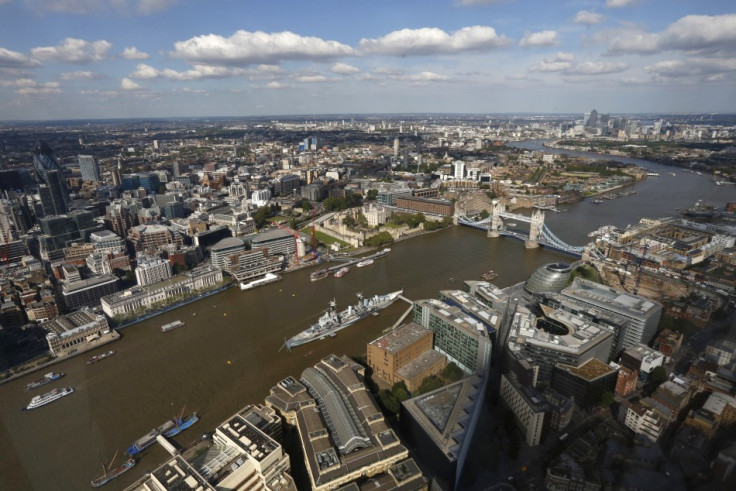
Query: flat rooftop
x,y
617,300
420,364
401,337
442,413
590,370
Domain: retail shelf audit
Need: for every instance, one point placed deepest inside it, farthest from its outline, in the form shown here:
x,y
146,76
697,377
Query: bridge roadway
x,y
546,236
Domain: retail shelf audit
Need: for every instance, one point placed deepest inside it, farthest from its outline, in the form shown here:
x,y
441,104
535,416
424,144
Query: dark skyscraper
x,y
52,189
54,196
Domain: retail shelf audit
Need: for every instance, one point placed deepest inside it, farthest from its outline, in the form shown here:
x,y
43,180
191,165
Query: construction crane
x,y
296,238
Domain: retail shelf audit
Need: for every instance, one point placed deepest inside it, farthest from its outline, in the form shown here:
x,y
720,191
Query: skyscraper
x,y
592,119
52,189
54,195
88,167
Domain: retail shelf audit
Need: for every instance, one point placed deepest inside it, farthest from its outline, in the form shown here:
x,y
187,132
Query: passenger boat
x,y
147,440
365,262
172,325
46,379
332,321
268,278
101,356
108,475
341,272
48,397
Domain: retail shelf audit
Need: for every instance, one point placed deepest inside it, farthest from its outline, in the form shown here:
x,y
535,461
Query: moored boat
x,y
101,356
265,280
341,272
365,262
48,397
147,440
319,274
332,321
181,425
46,379
172,325
109,475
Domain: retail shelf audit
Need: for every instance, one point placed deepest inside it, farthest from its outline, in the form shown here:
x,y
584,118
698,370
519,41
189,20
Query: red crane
x,y
296,239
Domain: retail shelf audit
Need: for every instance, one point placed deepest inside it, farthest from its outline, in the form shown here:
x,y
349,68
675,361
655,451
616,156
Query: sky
x,y
88,59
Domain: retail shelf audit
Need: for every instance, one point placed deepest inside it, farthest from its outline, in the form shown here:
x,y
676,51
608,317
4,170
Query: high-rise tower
x,y
88,167
52,189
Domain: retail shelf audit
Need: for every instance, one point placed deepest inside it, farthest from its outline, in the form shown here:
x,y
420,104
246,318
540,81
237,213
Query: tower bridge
x,y
539,234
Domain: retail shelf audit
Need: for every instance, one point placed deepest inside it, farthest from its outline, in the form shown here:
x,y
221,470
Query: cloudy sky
x,y
70,59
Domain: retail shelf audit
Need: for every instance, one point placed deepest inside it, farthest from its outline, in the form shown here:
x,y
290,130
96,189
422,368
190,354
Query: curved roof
x,y
228,243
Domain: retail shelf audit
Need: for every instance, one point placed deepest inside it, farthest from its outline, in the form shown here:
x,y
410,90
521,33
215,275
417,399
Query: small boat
x,y
108,475
319,274
365,262
341,272
46,379
181,425
48,397
99,357
489,275
172,325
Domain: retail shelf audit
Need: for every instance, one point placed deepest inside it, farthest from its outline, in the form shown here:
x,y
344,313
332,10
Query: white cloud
x,y
128,84
147,72
310,79
596,68
559,62
692,33
87,7
80,75
344,69
707,68
588,18
398,74
244,48
541,38
132,53
431,40
565,63
275,85
13,59
614,4
71,50
27,86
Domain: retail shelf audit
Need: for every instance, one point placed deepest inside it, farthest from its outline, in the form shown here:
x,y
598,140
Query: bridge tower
x,y
496,222
535,229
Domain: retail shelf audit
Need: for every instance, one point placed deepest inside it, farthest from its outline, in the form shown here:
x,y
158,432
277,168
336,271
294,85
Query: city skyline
x,y
86,59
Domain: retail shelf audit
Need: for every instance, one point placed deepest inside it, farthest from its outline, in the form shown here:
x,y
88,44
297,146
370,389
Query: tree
x,y
306,205
399,391
429,384
372,194
388,401
452,372
484,214
379,239
262,215
349,221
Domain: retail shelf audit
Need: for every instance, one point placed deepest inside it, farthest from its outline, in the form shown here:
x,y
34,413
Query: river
x,y
227,355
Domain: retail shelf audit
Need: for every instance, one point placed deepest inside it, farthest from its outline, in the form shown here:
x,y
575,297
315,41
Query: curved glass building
x,y
44,160
551,277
